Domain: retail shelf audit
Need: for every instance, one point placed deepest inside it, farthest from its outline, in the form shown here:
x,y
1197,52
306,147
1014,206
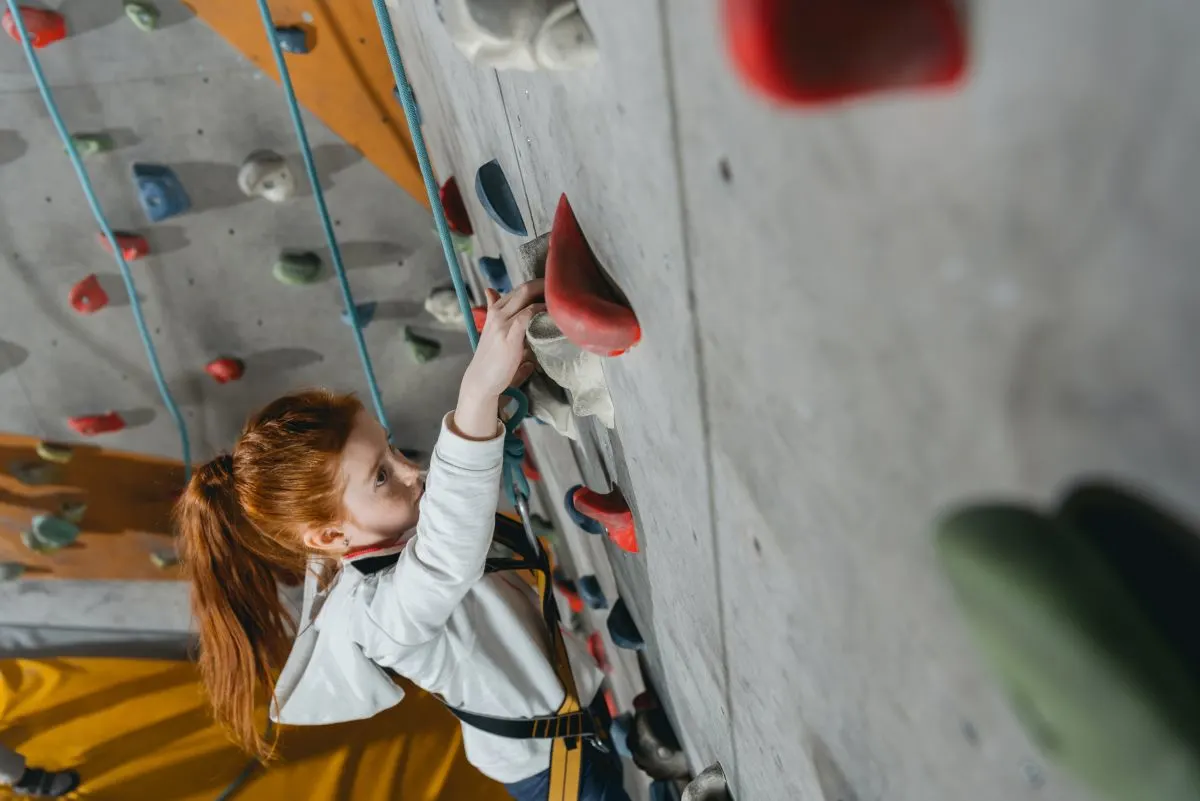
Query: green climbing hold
x,y
35,474
72,511
164,558
90,144
422,348
142,14
297,268
49,533
463,243
11,571
54,452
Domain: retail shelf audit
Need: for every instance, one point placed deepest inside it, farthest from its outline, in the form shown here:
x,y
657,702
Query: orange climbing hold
x,y
580,299
133,246
479,315
455,208
610,511
93,424
225,369
825,51
87,296
43,26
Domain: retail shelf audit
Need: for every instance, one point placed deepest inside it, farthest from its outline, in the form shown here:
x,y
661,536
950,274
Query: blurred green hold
x,y
11,571
73,511
54,452
142,14
89,144
164,558
462,243
297,268
49,533
422,348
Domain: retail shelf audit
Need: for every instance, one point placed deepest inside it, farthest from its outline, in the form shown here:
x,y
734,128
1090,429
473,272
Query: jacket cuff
x,y
470,454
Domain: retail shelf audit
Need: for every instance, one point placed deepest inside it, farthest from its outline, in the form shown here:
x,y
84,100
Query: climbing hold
x,y
479,316
491,186
164,558
463,244
455,208
529,465
496,273
93,424
645,700
541,526
622,629
610,511
133,246
297,268
266,174
442,304
50,533
292,39
664,790
55,452
11,571
610,703
549,406
225,369
595,645
583,521
582,301
569,590
1088,672
832,50
90,144
532,255
142,14
520,34
422,348
87,296
44,27
655,747
619,731
160,191
36,474
709,785
72,511
363,312
591,592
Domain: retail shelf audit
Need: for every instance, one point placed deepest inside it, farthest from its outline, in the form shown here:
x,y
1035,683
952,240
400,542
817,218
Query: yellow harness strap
x,y
566,753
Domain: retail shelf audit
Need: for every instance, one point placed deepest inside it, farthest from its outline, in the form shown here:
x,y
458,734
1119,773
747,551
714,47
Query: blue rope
x,y
310,167
86,184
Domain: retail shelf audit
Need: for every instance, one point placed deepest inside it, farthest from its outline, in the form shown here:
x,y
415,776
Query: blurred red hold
x,y
93,424
573,599
580,299
454,208
610,511
43,26
133,246
529,466
479,315
87,296
595,644
812,52
225,369
610,701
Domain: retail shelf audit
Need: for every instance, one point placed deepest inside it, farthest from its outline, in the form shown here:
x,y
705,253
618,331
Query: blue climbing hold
x,y
292,39
365,312
590,592
583,521
496,273
622,629
160,191
619,731
491,185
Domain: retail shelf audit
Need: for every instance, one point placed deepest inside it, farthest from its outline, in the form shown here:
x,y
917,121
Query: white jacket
x,y
425,609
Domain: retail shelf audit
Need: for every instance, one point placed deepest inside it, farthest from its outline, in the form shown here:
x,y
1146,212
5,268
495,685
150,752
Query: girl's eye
x,y
380,477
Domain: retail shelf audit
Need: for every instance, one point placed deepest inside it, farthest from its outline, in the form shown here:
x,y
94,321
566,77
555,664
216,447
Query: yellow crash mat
x,y
140,730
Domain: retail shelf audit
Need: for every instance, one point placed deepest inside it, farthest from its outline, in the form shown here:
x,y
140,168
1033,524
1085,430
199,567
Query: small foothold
x,y
55,452
610,511
51,533
591,592
164,558
479,316
292,39
595,645
225,369
455,208
610,702
463,244
655,747
569,591
35,474
709,785
266,174
580,299
72,511
44,27
93,424
583,521
142,14
133,246
520,35
622,629
491,186
363,312
619,731
442,304
87,296
422,348
11,571
160,191
91,144
529,466
297,268
541,526
496,273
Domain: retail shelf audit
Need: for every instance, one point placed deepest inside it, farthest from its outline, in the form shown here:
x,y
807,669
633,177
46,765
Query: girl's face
x,y
382,491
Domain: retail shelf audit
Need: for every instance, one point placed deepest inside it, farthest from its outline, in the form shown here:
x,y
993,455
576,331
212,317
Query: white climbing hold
x,y
520,34
546,405
442,304
575,370
709,785
266,174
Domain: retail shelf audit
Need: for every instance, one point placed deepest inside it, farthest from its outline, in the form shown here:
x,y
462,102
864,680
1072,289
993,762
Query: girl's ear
x,y
324,539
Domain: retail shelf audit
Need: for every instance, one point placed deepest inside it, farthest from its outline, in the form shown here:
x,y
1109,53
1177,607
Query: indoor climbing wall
x,y
854,316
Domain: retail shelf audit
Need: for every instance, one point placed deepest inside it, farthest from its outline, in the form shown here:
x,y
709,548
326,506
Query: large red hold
x,y
454,208
43,26
814,52
579,297
133,246
93,424
610,511
87,296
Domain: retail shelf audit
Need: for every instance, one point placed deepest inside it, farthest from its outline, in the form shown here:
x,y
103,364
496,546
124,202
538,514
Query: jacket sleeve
x,y
446,555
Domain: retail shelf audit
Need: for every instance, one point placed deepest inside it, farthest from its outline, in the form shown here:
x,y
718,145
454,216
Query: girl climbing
x,y
408,588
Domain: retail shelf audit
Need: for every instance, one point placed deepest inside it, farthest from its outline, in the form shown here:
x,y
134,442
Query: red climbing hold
x,y
454,208
610,511
88,297
610,701
225,369
479,315
529,466
825,51
595,644
133,246
93,424
43,26
579,298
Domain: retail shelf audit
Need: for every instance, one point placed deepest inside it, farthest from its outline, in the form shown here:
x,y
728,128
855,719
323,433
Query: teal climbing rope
x,y
126,275
339,268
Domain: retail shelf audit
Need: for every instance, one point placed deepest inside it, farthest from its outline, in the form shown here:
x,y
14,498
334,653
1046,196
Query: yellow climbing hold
x,y
54,452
